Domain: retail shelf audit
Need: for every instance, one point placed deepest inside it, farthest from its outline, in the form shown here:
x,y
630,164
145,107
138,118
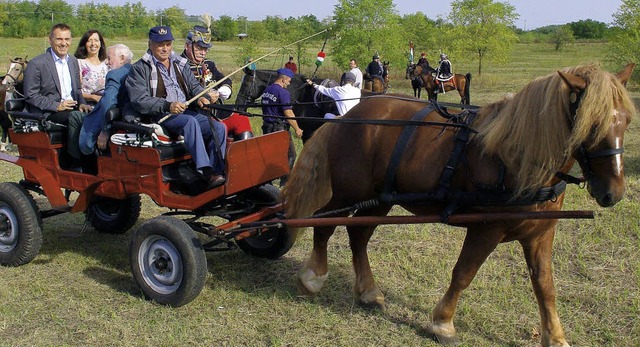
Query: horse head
x,y
602,111
15,73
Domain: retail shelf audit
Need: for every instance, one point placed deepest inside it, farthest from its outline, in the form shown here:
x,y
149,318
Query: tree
x,y
562,36
483,28
176,18
226,28
624,47
588,29
422,31
364,27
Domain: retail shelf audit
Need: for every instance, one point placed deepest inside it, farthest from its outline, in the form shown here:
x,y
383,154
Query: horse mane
x,y
530,130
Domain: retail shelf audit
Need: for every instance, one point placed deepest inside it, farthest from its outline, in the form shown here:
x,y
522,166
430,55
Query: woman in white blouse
x,y
92,55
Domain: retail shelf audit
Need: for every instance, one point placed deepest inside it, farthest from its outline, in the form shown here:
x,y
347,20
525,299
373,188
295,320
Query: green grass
x,y
79,290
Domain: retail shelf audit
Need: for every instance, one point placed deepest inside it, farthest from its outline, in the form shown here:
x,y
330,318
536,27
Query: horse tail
x,y
467,86
309,185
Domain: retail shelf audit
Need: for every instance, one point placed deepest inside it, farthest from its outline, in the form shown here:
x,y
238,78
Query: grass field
x,y
79,290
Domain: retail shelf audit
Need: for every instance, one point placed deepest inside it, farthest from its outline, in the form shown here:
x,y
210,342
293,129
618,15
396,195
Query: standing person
x,y
355,70
196,46
375,67
96,128
291,65
277,95
346,95
52,79
159,84
92,56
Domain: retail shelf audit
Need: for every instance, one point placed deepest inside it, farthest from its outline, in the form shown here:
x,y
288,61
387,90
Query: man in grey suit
x,y
52,79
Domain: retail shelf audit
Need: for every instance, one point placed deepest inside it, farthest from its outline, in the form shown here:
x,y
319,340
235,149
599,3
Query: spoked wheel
x,y
20,226
114,216
167,261
272,243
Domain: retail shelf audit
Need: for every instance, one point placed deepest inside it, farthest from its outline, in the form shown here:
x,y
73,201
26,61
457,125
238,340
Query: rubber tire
x,y
114,216
275,242
156,240
22,243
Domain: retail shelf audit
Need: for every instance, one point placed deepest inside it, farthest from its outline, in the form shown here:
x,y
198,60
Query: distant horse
x,y
377,84
11,85
416,82
524,144
307,103
459,82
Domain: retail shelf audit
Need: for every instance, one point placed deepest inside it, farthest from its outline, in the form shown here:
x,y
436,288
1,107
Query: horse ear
x,y
625,73
574,82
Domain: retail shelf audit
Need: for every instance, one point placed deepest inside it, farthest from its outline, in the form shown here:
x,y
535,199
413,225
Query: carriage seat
x,y
131,132
25,122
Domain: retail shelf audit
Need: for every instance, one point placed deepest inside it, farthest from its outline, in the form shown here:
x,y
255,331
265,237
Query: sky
x,y
533,13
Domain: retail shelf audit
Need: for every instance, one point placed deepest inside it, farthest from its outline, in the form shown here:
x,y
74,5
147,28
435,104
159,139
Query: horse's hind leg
x,y
365,287
479,242
315,270
537,252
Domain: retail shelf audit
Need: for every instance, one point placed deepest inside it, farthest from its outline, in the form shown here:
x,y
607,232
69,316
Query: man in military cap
x,y
195,51
159,85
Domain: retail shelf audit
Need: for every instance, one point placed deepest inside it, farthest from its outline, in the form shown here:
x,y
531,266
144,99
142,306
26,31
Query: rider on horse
x,y
444,70
374,69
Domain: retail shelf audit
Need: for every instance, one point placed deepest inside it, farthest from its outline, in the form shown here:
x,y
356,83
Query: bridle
x,y
584,156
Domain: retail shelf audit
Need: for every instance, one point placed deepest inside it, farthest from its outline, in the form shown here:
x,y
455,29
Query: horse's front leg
x,y
537,252
365,288
315,270
479,242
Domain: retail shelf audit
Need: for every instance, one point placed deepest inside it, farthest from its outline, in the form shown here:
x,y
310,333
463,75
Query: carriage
x,y
166,253
522,146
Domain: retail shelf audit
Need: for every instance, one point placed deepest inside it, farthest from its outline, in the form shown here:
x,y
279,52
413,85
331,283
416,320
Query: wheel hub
x,y
161,264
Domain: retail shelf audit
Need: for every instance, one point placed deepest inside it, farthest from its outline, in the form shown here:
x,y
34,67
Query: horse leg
x,y
479,242
365,288
315,270
537,252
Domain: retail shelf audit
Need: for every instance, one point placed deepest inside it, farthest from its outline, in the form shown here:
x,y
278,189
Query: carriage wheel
x,y
167,261
272,243
114,216
20,226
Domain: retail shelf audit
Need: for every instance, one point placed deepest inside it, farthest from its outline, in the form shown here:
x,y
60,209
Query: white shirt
x,y
345,96
64,76
356,71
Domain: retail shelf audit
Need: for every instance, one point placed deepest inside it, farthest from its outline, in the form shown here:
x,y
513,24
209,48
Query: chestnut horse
x,y
460,83
378,84
11,83
519,146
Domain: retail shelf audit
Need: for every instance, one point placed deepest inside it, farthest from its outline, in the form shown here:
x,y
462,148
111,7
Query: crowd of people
x,y
161,87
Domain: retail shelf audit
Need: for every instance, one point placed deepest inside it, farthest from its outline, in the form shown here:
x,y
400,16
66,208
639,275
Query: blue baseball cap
x,y
286,72
160,34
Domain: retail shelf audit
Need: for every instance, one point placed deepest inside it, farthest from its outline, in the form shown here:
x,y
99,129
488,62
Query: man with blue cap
x,y
159,84
276,101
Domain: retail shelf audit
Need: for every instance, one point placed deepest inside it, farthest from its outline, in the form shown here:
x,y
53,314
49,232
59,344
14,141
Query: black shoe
x,y
215,181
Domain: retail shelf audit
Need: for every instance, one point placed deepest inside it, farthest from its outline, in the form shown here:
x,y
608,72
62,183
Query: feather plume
x,y
206,19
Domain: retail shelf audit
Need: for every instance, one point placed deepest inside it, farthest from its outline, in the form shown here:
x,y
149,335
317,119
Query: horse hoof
x,y
373,300
446,340
309,284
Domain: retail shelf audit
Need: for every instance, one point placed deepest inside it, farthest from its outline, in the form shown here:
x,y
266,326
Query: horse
x,y
377,84
307,103
416,82
458,82
11,84
517,154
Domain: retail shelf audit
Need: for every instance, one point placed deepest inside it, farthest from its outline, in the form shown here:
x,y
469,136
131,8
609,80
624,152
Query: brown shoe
x,y
215,181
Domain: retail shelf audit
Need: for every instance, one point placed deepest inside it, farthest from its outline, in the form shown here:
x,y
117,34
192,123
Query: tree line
x,y
475,30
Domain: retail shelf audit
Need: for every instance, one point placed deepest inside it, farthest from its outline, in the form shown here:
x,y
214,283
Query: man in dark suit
x,y
52,79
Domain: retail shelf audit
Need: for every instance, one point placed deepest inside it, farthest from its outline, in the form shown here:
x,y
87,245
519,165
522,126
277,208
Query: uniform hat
x,y
286,72
375,56
200,35
160,34
349,77
423,54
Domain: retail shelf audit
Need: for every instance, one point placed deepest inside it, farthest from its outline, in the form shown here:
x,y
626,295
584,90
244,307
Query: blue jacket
x,y
115,94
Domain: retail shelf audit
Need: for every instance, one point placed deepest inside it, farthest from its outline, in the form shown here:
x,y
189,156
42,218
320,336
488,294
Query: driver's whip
x,y
215,84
